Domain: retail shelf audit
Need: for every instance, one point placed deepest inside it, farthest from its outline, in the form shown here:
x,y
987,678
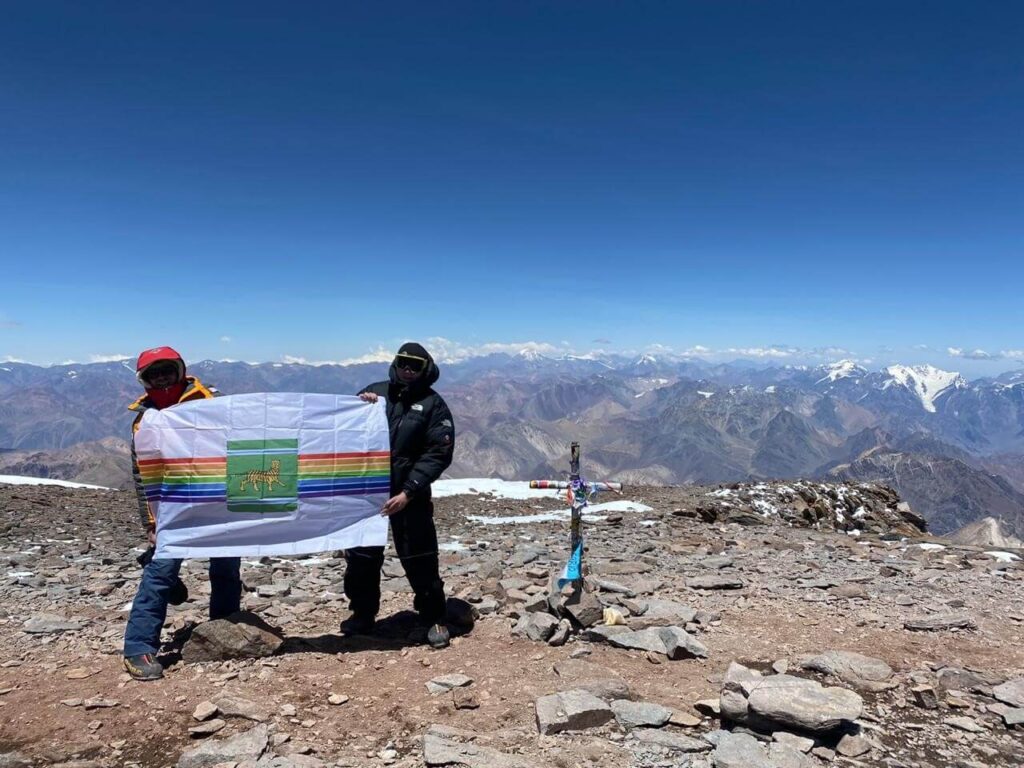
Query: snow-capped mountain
x,y
844,369
925,381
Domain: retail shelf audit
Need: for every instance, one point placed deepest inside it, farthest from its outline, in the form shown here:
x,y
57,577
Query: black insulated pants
x,y
415,538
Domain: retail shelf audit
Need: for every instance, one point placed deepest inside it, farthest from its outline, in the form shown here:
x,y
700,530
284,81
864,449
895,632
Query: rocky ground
x,y
769,625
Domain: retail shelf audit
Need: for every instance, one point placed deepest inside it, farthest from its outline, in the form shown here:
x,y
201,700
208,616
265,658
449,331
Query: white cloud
x,y
226,339
1013,354
10,359
107,358
448,351
297,360
973,354
763,352
832,352
378,355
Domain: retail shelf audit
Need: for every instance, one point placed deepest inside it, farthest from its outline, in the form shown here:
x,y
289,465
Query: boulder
x,y
739,750
574,710
676,742
663,613
540,626
714,582
448,682
601,633
242,635
607,689
674,642
441,748
244,746
785,702
561,634
864,672
939,623
49,624
583,608
235,706
1011,692
640,714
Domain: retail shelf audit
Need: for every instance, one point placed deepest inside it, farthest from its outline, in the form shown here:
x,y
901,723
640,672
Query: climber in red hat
x,y
161,371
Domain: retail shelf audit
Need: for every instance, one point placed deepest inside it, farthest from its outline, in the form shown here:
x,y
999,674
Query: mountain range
x,y
953,448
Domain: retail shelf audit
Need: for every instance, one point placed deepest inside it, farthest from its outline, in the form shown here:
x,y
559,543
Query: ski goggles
x,y
410,362
160,369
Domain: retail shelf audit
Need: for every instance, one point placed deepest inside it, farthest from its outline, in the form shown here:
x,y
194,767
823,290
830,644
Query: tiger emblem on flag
x,y
254,477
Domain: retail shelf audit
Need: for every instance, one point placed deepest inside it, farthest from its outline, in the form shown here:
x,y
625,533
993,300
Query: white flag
x,y
266,474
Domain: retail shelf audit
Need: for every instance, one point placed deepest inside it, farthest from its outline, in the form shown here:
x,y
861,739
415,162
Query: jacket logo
x,y
416,407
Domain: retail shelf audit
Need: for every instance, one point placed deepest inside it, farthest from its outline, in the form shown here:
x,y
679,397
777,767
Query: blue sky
x,y
264,181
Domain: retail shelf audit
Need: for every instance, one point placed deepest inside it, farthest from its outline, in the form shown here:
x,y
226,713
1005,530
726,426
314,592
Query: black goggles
x,y
410,363
160,370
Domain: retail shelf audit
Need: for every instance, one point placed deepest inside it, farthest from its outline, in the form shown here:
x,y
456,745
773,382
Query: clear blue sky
x,y
320,179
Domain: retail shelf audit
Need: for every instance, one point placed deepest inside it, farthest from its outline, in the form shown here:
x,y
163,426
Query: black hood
x,y
430,375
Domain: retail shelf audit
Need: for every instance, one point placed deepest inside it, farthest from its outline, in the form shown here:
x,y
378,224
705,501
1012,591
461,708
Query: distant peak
x,y
844,369
925,381
528,353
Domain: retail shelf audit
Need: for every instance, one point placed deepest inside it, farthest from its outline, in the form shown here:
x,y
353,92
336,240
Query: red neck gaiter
x,y
163,398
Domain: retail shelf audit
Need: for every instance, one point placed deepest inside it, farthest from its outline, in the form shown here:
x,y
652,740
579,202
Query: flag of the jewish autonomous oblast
x,y
266,474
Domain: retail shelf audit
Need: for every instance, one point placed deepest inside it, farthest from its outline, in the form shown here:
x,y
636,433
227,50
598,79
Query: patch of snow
x,y
502,489
304,561
648,523
721,493
1004,557
562,514
18,480
764,508
19,574
619,506
545,517
925,381
860,513
770,390
705,395
929,547
453,546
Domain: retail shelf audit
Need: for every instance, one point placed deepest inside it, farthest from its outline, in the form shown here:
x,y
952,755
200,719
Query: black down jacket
x,y
422,431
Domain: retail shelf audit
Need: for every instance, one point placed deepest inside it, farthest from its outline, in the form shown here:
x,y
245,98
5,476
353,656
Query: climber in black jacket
x,y
422,444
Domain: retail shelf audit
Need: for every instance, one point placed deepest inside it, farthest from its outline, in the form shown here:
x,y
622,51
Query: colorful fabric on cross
x,y
573,570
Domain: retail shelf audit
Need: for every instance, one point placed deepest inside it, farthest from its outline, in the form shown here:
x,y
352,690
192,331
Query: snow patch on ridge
x,y
18,480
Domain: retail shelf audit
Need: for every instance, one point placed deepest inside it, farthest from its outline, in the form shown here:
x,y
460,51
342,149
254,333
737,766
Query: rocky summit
x,y
769,624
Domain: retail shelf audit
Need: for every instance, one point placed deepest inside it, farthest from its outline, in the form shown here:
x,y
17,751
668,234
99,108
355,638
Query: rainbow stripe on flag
x,y
205,478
